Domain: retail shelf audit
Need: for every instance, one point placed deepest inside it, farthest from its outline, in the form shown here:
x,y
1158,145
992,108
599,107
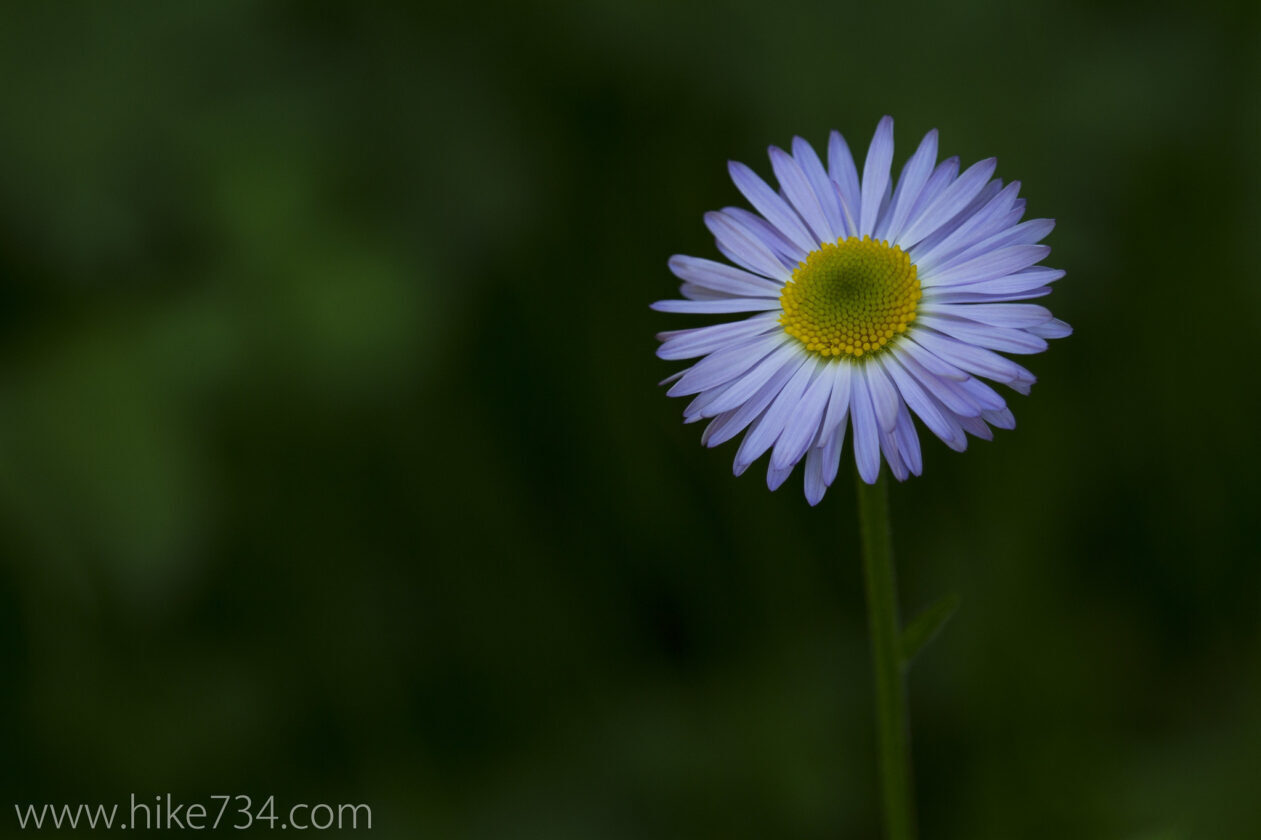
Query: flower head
x,y
874,300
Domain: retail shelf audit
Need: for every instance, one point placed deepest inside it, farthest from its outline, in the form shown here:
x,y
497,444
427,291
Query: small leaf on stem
x,y
924,628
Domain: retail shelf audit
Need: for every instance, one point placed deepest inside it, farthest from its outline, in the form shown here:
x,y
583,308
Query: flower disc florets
x,y
850,297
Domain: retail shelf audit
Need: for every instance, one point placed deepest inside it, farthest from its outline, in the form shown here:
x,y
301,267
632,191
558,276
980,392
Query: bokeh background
x,y
333,464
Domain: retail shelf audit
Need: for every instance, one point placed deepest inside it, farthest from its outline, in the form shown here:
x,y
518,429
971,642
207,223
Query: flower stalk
x,y
892,720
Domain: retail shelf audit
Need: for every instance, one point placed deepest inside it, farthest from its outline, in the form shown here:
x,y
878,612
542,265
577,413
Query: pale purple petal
x,y
781,246
770,205
976,427
845,176
1008,233
982,395
988,266
876,175
913,393
823,188
910,183
950,393
969,294
725,365
931,363
832,446
1055,328
943,176
734,394
813,476
767,429
838,405
943,244
1002,339
866,432
908,441
1001,418
801,195
715,307
745,247
802,427
884,396
1014,315
954,199
689,344
893,456
722,277
775,478
1028,280
729,424
975,360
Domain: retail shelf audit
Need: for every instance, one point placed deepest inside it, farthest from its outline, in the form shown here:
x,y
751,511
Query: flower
x,y
874,300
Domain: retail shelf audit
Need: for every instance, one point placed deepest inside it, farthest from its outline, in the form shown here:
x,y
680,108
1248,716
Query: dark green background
x,y
333,466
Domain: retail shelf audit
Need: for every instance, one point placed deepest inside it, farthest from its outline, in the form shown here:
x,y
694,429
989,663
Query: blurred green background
x,y
333,464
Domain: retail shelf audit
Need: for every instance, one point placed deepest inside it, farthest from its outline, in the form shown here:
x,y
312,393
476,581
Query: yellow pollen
x,y
850,298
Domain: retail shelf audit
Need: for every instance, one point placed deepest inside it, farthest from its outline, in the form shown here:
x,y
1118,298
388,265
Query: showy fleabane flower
x,y
874,300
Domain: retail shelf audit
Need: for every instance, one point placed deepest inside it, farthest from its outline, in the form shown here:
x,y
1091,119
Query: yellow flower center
x,y
850,298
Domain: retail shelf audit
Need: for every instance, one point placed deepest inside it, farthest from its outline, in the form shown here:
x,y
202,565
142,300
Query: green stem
x,y
892,721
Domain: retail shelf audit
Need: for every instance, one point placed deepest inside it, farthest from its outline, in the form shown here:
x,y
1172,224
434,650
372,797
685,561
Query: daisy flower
x,y
874,301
